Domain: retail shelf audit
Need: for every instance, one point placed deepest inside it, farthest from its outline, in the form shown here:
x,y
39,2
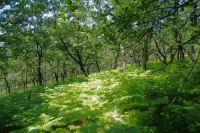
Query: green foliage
x,y
44,40
109,101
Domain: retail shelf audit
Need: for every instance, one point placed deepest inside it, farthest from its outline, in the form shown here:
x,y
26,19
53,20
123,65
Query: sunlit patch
x,y
32,128
91,101
113,117
113,85
50,123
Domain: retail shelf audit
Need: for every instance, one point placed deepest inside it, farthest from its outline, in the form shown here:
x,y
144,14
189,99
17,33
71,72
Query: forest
x,y
99,66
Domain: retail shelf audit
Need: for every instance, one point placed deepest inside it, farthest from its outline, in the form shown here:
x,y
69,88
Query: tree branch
x,y
66,48
185,80
192,38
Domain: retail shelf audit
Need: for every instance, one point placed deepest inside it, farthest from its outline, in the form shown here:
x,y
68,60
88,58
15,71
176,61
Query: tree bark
x,y
39,73
162,54
56,76
78,61
85,72
29,97
116,58
64,69
134,56
56,73
145,55
193,19
7,83
191,53
45,73
177,35
39,53
97,65
123,57
26,80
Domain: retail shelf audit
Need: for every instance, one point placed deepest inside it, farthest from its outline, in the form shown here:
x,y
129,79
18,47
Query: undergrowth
x,y
110,102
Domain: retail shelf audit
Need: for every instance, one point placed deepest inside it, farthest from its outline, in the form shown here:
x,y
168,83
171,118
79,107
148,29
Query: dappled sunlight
x,y
109,101
32,128
113,117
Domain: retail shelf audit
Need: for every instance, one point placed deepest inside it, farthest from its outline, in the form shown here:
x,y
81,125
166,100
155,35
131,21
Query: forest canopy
x,y
45,40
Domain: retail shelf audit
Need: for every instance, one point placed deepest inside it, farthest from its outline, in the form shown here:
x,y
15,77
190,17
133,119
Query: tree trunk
x,y
22,79
145,56
45,73
78,61
39,75
68,75
30,94
191,53
180,54
81,63
116,58
83,69
193,19
64,70
7,83
123,57
160,53
97,65
26,80
39,52
19,84
56,76
88,69
134,56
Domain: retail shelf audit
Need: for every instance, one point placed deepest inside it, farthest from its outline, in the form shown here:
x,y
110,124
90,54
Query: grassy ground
x,y
110,102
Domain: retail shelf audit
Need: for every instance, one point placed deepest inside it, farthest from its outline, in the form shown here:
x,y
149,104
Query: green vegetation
x,y
110,101
95,66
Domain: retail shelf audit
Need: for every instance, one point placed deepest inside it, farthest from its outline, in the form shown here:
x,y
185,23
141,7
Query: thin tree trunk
x,y
19,84
68,75
39,52
78,61
64,69
97,65
56,76
83,69
22,79
123,57
81,64
39,75
116,58
172,54
45,73
26,80
190,53
88,69
134,56
193,19
30,94
162,54
145,56
7,83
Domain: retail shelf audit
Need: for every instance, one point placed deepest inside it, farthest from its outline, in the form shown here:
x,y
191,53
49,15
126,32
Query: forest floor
x,y
107,102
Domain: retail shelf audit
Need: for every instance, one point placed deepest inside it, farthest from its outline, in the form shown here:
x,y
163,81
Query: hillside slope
x,y
110,101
